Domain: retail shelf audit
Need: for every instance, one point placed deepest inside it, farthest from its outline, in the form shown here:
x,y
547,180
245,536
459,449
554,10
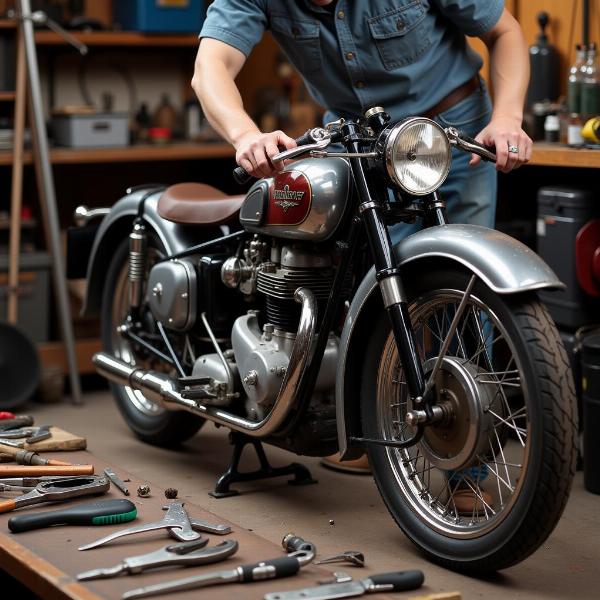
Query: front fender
x,y
504,264
116,226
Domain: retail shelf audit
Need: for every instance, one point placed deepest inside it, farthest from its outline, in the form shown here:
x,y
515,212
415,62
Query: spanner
x,y
176,521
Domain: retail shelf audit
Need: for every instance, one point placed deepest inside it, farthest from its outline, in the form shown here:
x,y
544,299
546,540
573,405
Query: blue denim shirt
x,y
405,55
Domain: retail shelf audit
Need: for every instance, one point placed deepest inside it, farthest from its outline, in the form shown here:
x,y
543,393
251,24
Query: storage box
x,y
33,295
94,130
160,16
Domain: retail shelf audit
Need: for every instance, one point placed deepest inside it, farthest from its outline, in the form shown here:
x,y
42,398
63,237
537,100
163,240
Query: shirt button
x,y
400,25
341,14
349,55
360,84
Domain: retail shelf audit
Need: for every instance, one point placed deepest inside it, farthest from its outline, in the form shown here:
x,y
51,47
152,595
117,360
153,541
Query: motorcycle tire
x,y
149,422
524,519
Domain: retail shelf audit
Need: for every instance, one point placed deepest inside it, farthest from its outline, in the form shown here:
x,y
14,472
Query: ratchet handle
x,y
401,580
275,568
107,512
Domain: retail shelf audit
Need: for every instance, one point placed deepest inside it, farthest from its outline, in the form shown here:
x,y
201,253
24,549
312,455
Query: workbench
x,y
47,561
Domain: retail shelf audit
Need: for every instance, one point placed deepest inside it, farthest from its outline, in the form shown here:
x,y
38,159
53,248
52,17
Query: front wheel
x,y
484,487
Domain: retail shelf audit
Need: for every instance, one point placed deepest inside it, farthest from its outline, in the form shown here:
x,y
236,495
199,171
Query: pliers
x,y
176,521
58,490
185,554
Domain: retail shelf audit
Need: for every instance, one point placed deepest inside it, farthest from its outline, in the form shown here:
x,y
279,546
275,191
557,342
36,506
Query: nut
x,y
171,493
331,522
143,491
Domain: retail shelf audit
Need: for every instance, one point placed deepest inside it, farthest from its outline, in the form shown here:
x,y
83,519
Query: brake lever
x,y
300,150
468,144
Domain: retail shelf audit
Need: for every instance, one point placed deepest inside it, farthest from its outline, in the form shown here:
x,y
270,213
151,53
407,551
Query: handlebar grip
x,y
241,176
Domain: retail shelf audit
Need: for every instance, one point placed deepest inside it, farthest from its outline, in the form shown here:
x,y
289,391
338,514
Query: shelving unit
x,y
119,39
557,155
137,153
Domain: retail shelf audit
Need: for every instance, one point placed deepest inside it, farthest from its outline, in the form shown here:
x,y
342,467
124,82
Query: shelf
x,y
120,38
8,24
137,153
557,155
7,96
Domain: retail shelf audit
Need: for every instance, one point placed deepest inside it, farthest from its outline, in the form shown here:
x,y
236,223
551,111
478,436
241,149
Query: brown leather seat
x,y
198,204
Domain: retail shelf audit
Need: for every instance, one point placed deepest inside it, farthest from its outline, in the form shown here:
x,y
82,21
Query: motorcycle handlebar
x,y
477,148
241,176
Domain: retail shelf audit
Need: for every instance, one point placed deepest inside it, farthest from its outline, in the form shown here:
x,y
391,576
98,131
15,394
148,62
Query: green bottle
x,y
590,87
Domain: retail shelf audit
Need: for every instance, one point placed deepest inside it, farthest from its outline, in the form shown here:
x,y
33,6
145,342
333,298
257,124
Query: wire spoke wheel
x,y
491,472
487,483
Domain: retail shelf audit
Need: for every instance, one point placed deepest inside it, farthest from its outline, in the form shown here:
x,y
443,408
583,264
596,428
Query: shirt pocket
x,y
300,40
400,35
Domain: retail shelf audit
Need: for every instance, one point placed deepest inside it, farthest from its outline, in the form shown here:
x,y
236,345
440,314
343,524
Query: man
x,y
409,56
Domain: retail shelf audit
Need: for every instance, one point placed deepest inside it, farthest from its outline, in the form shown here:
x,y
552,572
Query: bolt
x,y
251,378
157,290
268,330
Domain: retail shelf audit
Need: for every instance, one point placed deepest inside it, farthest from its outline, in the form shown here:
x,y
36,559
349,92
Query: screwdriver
x,y
102,512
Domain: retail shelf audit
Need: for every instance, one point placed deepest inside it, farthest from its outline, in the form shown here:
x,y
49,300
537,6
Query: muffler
x,y
166,391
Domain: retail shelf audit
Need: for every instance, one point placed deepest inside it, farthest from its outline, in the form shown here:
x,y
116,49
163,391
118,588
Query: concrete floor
x,y
566,566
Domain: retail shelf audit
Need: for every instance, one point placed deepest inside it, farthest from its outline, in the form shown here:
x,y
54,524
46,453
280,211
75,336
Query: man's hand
x,y
254,151
504,132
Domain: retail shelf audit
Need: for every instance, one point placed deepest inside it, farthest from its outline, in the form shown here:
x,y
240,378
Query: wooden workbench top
x,y
47,560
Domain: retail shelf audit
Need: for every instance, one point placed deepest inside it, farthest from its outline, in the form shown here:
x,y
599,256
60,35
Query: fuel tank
x,y
305,201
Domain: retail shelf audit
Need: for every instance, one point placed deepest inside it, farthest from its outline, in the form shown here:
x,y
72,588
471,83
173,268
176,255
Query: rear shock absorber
x,y
138,243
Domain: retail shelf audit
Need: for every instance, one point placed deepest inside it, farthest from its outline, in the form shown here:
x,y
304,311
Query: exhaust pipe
x,y
165,390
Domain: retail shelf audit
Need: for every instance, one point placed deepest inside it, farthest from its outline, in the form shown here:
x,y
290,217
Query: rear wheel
x,y
149,421
508,441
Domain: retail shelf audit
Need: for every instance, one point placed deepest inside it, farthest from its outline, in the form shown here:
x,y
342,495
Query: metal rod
x,y
17,182
451,331
48,197
170,349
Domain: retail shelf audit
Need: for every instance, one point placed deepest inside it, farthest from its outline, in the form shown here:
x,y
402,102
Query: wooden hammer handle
x,y
7,505
35,471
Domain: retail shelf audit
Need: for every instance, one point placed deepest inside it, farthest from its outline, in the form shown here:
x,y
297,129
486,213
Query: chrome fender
x,y
504,264
116,226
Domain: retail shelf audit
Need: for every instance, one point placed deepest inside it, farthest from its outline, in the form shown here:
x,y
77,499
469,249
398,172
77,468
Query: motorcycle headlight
x,y
417,155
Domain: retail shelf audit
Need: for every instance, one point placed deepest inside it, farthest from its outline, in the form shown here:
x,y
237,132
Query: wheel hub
x,y
464,433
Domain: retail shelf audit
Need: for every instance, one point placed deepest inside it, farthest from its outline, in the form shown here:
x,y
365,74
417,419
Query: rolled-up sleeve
x,y
239,23
472,17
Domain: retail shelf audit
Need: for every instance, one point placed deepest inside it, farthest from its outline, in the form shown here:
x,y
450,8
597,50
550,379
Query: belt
x,y
454,97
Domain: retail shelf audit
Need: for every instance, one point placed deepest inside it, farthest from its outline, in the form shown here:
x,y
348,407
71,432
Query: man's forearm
x,y
509,71
221,102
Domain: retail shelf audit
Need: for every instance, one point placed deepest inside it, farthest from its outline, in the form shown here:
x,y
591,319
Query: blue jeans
x,y
470,192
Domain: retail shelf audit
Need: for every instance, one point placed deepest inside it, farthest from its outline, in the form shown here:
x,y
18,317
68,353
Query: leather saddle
x,y
198,204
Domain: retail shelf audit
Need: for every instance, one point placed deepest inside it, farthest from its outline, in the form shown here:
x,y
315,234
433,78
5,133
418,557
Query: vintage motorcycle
x,y
287,316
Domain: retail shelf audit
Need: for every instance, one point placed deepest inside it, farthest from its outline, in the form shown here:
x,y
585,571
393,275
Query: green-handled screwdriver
x,y
102,512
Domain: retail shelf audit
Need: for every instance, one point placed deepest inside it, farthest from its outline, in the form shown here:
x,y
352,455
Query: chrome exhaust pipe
x,y
164,390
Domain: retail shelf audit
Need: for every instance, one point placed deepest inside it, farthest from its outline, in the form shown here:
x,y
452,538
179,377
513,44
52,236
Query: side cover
x,y
506,265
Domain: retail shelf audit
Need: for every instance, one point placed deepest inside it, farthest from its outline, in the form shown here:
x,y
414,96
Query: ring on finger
x,y
513,149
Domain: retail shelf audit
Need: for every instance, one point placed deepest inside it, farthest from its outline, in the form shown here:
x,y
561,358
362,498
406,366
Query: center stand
x,y
239,441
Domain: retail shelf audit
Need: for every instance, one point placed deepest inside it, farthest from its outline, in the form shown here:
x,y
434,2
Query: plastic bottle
x,y
590,87
551,129
576,74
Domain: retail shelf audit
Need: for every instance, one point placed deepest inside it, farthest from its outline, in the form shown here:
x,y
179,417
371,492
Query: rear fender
x,y
504,264
116,227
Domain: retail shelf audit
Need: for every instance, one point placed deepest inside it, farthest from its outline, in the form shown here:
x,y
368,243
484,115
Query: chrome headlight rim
x,y
390,144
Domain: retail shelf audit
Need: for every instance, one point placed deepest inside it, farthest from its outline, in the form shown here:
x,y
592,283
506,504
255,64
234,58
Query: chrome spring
x,y
137,263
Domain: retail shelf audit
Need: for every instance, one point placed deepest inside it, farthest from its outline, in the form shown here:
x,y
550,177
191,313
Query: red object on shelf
x,y
587,257
160,134
26,213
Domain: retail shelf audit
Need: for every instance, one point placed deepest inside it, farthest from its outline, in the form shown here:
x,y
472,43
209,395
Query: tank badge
x,y
290,198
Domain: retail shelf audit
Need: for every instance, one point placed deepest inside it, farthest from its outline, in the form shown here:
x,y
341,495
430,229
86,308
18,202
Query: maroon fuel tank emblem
x,y
290,198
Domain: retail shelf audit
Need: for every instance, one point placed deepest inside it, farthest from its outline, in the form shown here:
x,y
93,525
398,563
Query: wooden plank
x,y
120,38
8,24
557,155
137,153
61,441
53,353
7,96
43,578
